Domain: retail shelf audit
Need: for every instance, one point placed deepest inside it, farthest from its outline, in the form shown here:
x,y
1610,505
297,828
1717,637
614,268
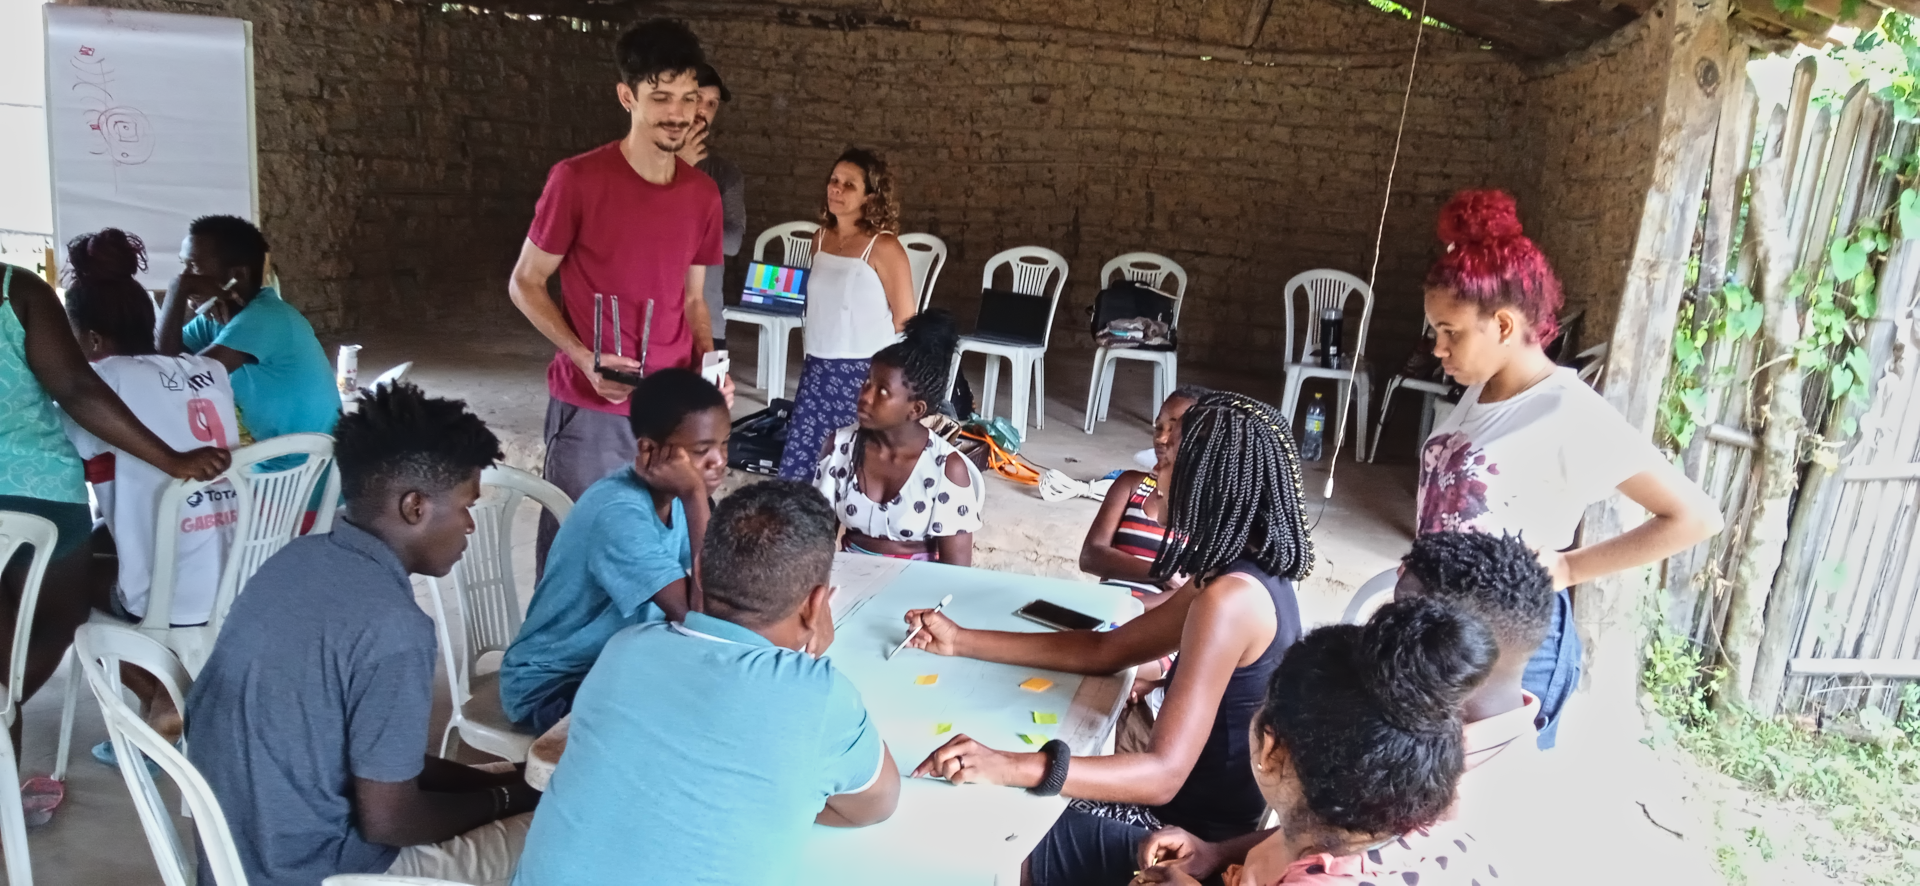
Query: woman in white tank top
x,y
859,296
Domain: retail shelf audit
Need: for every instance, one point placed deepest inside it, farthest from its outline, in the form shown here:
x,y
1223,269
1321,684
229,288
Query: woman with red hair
x,y
1530,446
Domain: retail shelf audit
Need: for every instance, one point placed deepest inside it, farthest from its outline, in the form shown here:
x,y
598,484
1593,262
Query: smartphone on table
x,y
1058,617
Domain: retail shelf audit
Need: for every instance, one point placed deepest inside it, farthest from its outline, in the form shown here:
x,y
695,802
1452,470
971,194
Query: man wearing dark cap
x,y
733,187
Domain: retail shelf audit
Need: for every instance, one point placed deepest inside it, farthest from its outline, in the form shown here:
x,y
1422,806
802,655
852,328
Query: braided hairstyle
x,y
923,354
102,294
1235,492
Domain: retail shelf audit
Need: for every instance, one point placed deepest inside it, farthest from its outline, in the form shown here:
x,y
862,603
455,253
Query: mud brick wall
x,y
402,148
1591,126
1245,174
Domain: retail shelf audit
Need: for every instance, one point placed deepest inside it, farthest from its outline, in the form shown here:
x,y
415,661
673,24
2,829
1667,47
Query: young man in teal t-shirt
x,y
624,556
702,751
282,383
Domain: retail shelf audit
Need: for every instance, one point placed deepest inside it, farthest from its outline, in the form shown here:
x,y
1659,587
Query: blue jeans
x,y
1554,670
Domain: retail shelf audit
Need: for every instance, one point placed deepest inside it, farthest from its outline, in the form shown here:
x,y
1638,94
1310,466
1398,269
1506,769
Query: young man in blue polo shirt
x,y
702,750
309,720
282,383
625,554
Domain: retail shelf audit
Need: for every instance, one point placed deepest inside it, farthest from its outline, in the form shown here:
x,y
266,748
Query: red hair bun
x,y
1490,262
1477,216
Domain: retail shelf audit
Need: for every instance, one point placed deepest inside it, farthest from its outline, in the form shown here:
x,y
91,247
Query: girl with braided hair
x,y
1236,523
1530,446
898,490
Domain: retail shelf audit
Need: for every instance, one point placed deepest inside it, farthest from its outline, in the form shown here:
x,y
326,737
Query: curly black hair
x,y
924,354
235,241
1496,577
655,50
1235,492
664,399
104,296
401,440
1370,717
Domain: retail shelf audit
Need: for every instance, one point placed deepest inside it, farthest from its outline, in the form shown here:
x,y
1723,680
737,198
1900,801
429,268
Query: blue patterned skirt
x,y
824,403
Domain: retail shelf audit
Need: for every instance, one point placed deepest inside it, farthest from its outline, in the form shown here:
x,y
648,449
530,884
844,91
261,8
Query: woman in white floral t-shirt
x,y
1530,446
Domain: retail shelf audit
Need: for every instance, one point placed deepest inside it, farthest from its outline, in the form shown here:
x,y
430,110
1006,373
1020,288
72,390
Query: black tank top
x,y
1220,798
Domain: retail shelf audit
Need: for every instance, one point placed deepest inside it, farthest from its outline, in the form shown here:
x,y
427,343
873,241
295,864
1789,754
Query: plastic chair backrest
x,y
1593,364
927,254
270,507
101,650
1324,289
1152,269
796,243
1373,594
17,529
1035,270
488,596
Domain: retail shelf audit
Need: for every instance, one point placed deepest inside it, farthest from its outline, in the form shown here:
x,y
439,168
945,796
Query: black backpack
x,y
758,440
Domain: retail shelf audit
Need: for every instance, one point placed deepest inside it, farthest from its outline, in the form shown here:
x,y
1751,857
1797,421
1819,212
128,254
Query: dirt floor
x,y
1637,814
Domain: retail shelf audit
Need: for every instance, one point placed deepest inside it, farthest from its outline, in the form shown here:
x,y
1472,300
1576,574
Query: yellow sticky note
x,y
1031,738
942,728
1037,684
927,679
1045,719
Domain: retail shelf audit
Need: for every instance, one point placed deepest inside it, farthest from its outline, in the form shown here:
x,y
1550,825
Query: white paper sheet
x,y
150,125
857,578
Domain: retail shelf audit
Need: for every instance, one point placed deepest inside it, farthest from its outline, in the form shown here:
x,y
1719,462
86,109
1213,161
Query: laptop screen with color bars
x,y
776,288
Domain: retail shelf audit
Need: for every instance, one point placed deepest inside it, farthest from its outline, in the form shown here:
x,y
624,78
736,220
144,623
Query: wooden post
x,y
1704,64
1776,464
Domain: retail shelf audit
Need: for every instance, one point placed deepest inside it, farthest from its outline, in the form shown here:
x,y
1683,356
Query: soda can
x,y
346,369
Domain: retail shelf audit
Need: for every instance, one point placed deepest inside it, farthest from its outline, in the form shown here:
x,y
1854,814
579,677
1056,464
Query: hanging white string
x,y
1379,239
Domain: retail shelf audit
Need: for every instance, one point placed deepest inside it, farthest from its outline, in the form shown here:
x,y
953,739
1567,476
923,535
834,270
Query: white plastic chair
x,y
927,254
1154,270
384,880
1373,594
1323,290
486,607
102,649
18,529
776,330
1041,273
1592,363
269,509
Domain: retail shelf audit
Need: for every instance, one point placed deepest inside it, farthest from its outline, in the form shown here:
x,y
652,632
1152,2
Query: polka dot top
x,y
928,506
1443,855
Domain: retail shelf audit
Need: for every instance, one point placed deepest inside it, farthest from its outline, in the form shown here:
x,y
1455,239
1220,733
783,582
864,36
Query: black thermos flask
x,y
1330,321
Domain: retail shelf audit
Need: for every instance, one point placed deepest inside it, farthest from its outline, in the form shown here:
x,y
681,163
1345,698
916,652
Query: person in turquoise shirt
x,y
625,553
702,751
282,383
42,371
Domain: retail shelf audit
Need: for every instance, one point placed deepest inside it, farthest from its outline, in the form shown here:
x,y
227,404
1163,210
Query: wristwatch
x,y
1058,755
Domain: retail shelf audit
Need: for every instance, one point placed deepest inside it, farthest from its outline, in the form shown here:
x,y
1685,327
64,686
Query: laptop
x,y
775,289
1011,318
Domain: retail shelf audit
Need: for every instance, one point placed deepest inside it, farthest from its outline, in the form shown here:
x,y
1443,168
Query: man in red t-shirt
x,y
626,220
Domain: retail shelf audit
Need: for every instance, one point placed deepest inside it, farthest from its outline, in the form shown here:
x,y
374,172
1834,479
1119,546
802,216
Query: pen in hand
x,y
923,623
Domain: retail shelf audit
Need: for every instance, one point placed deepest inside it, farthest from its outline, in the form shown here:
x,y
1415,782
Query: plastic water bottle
x,y
1316,429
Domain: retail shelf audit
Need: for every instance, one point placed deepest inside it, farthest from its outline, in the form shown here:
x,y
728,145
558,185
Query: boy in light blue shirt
x,y
702,751
282,383
625,553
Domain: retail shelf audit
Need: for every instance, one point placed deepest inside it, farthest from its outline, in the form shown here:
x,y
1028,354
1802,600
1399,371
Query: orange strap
x,y
1000,462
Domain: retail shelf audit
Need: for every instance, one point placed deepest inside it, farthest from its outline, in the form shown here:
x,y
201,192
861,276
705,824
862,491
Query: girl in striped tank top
x,y
1127,533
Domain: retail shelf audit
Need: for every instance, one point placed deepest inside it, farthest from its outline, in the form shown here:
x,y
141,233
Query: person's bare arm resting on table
x,y
870,806
1219,630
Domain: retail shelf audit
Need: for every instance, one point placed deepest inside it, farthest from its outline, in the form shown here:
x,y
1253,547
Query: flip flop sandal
x,y
39,796
104,753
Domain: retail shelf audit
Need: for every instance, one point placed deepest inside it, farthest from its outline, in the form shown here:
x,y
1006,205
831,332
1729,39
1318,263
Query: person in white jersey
x,y
859,296
1530,446
186,400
